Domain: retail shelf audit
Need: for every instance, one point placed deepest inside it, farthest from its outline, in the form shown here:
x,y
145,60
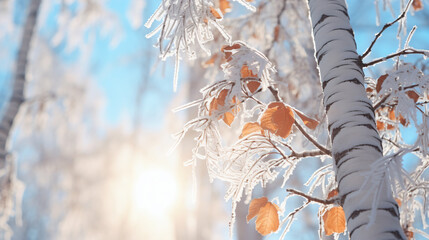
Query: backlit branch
x,y
386,26
310,198
322,148
406,51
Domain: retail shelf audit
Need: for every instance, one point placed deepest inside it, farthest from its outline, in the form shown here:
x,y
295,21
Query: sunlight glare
x,y
155,191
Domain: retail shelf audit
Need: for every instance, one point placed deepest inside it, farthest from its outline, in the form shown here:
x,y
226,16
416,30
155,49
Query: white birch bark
x,y
16,99
355,140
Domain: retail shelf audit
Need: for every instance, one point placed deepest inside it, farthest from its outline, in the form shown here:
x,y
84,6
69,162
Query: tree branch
x,y
377,105
312,153
406,51
386,26
315,143
310,198
17,98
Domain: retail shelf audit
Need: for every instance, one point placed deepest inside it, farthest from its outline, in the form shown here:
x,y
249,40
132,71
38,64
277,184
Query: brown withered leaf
x,y
253,86
417,5
224,6
380,81
332,193
211,61
268,219
413,95
246,72
251,127
278,119
226,49
218,101
380,125
390,127
228,118
309,122
403,121
334,221
398,201
215,13
392,115
254,207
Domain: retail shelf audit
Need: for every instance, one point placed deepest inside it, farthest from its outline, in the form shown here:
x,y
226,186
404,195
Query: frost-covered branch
x,y
386,26
406,51
7,180
312,199
311,139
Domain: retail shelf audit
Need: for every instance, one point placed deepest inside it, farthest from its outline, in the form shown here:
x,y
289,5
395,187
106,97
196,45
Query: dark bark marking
x,y
341,179
324,83
321,19
356,228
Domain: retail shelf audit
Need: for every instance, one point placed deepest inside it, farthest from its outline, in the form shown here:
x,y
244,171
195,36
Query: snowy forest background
x,y
89,146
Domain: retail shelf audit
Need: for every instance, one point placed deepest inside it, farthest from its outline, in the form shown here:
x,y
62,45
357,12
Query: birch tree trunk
x,y
356,143
17,97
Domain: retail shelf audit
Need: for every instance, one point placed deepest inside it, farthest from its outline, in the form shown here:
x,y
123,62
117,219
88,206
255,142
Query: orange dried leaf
x,y
224,6
369,90
215,13
278,119
410,235
380,125
254,207
390,127
251,127
228,118
253,86
211,61
226,49
268,219
334,221
413,95
417,5
398,201
218,101
380,82
309,122
230,47
332,193
392,115
403,121
246,72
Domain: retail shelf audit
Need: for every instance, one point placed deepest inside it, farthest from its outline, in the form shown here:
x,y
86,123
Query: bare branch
x,y
377,105
310,198
406,51
386,26
322,148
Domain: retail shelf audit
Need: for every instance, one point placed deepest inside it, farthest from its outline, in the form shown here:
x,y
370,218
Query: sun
x,y
155,191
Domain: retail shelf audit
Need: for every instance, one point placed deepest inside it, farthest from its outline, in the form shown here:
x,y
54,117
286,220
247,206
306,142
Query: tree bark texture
x,y
17,98
355,140
12,108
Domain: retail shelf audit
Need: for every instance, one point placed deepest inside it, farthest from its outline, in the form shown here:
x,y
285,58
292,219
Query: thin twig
x,y
386,26
322,148
275,93
377,105
312,153
406,51
310,198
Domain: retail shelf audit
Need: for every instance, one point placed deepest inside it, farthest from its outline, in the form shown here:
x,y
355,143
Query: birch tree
x,y
363,189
